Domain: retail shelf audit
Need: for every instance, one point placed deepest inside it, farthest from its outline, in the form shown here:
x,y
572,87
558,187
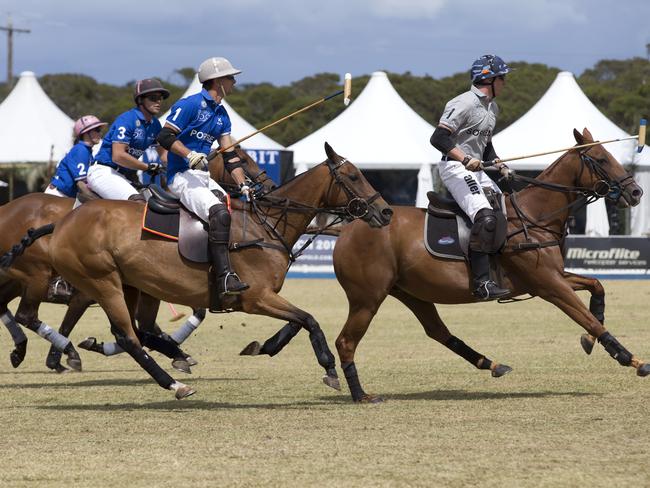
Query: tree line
x,y
619,88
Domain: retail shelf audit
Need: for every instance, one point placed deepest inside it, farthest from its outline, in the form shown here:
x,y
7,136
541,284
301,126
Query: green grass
x,y
561,418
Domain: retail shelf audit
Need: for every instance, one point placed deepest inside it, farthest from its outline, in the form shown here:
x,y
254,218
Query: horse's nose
x,y
387,214
637,193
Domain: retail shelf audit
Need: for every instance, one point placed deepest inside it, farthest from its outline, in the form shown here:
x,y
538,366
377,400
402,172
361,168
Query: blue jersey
x,y
132,129
200,121
72,168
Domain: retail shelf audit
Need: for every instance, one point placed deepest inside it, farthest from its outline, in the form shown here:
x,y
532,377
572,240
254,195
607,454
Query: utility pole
x,y
10,29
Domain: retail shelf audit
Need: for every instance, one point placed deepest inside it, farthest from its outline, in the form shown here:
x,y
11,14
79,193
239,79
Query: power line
x,y
10,29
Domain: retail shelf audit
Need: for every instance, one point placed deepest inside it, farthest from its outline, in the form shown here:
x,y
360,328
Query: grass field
x,y
561,418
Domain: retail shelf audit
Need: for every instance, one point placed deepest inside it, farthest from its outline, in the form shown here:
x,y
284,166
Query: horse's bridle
x,y
612,189
357,207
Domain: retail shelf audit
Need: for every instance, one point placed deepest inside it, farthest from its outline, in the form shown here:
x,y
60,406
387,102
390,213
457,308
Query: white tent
x,y
377,131
549,125
640,215
240,128
32,128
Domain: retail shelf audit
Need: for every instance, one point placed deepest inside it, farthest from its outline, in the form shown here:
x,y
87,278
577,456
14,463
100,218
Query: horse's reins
x,y
357,207
589,195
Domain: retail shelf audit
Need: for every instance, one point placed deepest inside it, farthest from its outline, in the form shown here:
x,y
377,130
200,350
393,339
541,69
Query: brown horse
x,y
112,259
30,274
399,265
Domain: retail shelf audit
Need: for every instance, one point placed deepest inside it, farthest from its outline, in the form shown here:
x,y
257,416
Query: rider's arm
x,y
231,160
441,140
167,140
162,154
123,158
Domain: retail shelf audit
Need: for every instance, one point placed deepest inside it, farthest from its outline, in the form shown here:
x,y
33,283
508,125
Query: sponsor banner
x,y
607,257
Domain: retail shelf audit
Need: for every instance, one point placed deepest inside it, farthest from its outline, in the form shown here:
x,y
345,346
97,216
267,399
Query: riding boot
x,y
223,280
484,287
59,290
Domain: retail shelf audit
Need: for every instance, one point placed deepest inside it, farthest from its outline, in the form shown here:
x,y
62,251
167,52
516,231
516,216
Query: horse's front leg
x,y
560,293
273,305
596,303
8,292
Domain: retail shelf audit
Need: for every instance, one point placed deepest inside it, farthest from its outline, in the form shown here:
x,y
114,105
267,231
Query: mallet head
x,y
642,131
347,89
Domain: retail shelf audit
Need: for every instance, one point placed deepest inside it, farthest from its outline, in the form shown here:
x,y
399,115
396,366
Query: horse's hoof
x,y
332,382
500,370
18,354
370,399
182,391
643,370
191,361
587,343
88,343
253,349
73,359
59,368
181,365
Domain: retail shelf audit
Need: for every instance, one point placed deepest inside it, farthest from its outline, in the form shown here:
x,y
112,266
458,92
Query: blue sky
x,y
280,41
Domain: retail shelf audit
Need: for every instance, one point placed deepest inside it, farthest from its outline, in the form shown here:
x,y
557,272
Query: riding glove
x,y
197,160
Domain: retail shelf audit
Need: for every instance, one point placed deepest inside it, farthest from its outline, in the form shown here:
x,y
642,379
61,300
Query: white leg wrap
x,y
14,329
185,330
46,332
111,349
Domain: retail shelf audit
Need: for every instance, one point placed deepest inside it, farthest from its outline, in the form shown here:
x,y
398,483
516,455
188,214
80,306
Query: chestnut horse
x,y
29,275
399,265
112,259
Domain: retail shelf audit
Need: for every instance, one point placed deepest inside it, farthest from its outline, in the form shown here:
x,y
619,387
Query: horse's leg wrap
x,y
160,344
615,349
321,349
12,326
351,376
146,362
470,355
59,341
274,344
597,307
190,325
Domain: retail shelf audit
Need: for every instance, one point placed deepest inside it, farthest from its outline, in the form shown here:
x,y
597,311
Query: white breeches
x,y
466,186
194,188
109,184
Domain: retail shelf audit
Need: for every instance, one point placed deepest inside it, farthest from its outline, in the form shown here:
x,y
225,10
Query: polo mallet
x,y
176,315
346,92
640,137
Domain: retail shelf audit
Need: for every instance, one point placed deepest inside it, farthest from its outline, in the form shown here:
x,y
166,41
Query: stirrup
x,y
236,285
59,291
489,290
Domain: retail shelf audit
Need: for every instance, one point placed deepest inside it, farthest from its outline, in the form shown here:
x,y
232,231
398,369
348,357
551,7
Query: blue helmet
x,y
487,67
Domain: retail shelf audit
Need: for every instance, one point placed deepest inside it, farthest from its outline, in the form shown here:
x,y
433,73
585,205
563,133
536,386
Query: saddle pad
x,y
446,238
163,225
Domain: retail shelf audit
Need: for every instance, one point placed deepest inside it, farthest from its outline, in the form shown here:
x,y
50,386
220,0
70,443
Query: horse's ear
x,y
578,136
587,135
331,153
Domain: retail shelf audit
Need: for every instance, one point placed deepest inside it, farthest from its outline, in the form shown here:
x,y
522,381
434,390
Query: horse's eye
x,y
353,177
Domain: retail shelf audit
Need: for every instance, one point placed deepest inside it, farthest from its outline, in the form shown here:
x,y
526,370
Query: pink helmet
x,y
86,123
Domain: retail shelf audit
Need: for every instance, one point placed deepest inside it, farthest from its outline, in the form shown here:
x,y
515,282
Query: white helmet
x,y
216,68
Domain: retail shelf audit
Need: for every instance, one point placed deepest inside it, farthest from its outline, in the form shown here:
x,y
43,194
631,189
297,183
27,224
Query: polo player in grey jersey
x,y
464,137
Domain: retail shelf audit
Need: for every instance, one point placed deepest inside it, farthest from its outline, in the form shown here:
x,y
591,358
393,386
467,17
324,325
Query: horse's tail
x,y
32,235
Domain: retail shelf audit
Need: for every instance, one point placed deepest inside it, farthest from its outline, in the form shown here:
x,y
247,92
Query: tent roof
x,y
32,128
549,125
240,128
377,131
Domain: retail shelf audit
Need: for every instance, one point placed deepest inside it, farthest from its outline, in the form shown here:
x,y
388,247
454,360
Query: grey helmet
x,y
216,68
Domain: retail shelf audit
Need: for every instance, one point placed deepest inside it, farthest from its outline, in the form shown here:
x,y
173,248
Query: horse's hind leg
x,y
8,292
436,329
596,303
560,293
78,305
273,305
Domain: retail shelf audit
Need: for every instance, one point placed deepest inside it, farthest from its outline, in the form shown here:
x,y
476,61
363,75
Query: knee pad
x,y
488,232
220,223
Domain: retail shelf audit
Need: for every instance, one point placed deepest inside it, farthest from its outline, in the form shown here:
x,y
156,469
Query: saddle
x,y
447,228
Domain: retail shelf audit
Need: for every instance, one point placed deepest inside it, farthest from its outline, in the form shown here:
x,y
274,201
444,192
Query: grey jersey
x,y
471,118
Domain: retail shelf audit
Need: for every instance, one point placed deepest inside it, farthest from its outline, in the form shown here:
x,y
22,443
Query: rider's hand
x,y
197,160
154,168
473,164
245,190
503,168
